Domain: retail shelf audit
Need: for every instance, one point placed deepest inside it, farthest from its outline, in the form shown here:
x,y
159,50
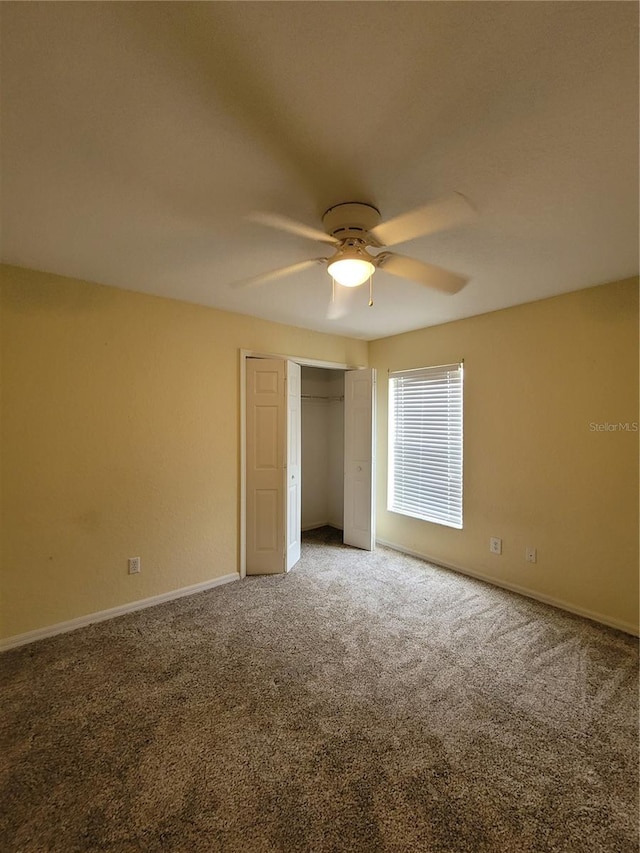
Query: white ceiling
x,y
137,136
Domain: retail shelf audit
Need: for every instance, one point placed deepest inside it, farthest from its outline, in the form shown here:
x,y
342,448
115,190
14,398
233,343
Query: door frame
x,y
244,355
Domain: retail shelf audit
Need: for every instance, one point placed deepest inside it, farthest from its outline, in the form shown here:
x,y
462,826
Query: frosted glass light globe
x,y
351,272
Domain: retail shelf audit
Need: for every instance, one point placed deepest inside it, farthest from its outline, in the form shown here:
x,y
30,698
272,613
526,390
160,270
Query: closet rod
x,y
318,397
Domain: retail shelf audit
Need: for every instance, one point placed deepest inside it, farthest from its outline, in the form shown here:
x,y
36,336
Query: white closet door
x,y
266,460
294,452
359,458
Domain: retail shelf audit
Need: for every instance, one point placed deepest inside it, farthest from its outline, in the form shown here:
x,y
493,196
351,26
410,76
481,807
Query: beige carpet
x,y
364,702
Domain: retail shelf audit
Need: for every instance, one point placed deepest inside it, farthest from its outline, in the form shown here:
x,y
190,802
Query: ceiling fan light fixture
x,y
351,272
351,266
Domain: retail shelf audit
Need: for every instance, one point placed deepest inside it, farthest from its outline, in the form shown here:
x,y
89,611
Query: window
x,y
425,444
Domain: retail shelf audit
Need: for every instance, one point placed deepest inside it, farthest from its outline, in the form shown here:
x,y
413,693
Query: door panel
x,y
359,458
265,438
266,429
294,492
265,521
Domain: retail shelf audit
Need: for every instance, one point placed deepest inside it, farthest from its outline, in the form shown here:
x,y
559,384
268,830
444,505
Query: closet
x,y
322,446
307,458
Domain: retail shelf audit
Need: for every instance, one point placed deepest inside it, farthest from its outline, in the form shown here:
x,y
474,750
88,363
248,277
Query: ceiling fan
x,y
353,228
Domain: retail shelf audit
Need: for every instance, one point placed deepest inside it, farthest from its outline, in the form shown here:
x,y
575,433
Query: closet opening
x,y
322,445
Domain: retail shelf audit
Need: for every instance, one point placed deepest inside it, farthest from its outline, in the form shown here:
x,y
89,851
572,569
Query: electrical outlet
x,y
495,545
530,554
134,565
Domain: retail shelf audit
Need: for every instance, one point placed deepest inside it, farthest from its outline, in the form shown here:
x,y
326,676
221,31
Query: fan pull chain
x,y
370,291
333,289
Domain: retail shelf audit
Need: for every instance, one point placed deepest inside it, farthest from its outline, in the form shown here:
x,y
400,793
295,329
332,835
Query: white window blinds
x,y
425,444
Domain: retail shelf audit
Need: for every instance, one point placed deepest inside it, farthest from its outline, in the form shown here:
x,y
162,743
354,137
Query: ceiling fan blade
x,y
335,311
283,223
265,277
439,215
427,274
339,303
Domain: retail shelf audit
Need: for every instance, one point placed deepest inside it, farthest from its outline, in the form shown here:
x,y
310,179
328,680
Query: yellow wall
x,y
120,437
536,376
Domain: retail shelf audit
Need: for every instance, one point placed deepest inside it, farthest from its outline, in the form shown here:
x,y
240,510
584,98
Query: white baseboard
x,y
103,615
627,627
319,524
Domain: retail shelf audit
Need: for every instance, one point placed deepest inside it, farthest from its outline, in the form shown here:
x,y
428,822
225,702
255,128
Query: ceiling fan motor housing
x,y
351,220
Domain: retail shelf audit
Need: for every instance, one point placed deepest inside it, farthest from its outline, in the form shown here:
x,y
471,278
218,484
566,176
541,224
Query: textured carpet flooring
x,y
364,702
